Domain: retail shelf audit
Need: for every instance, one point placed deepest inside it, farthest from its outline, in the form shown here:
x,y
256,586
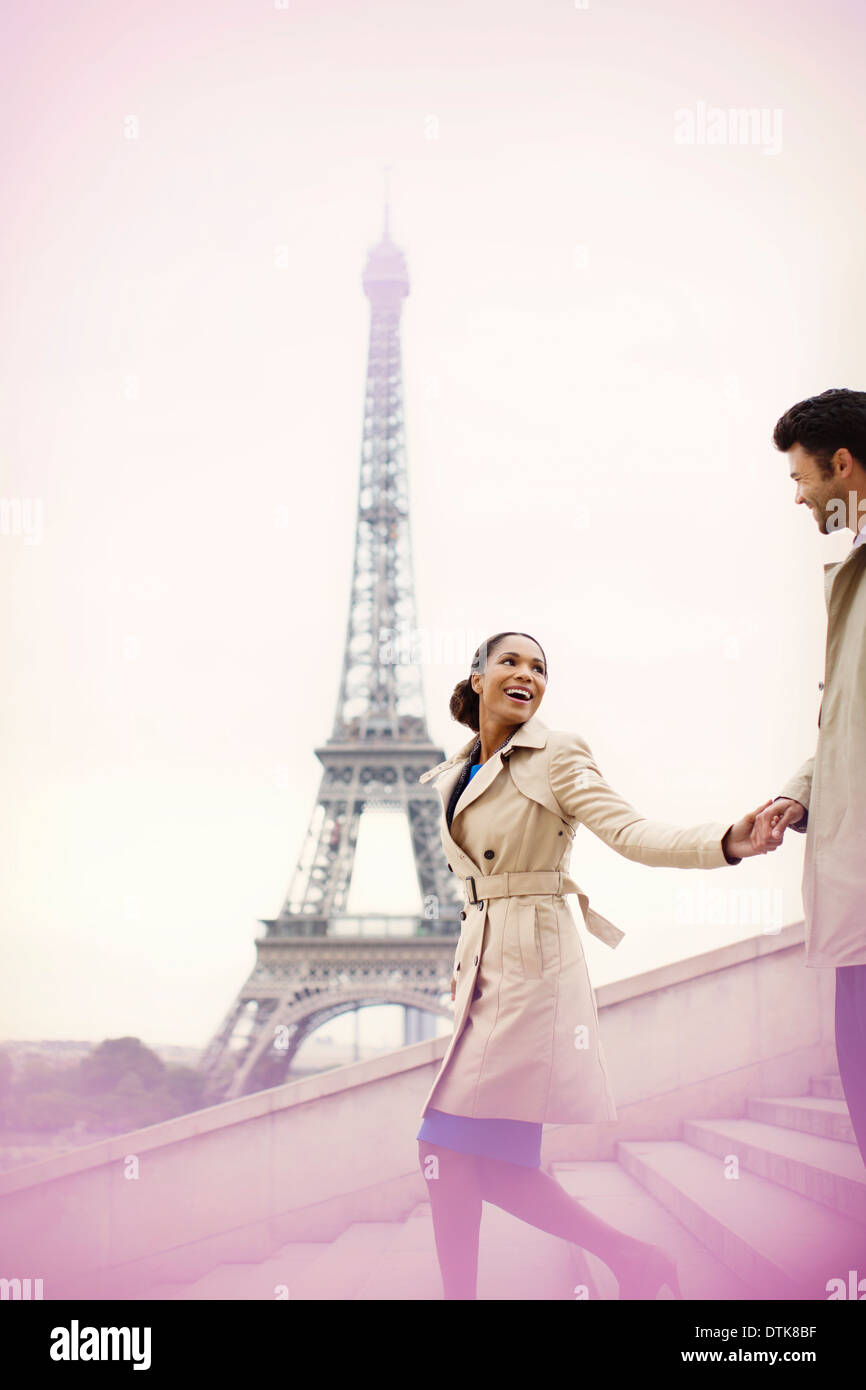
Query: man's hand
x,y
774,820
744,839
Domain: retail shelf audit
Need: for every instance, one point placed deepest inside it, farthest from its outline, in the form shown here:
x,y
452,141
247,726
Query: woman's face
x,y
513,685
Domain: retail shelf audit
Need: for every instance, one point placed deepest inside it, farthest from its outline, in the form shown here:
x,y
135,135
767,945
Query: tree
x,y
113,1060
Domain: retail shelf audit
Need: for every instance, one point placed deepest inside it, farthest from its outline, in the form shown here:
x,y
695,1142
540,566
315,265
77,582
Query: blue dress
x,y
516,1141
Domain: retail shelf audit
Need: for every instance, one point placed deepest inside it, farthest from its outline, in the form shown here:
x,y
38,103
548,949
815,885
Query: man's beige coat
x,y
525,1044
832,783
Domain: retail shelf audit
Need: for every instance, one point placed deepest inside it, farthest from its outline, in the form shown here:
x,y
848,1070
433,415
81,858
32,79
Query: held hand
x,y
773,821
744,839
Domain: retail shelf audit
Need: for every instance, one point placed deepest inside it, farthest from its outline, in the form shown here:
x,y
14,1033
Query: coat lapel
x,y
846,570
532,734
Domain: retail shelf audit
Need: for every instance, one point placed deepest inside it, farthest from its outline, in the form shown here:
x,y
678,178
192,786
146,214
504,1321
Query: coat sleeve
x,y
799,788
587,799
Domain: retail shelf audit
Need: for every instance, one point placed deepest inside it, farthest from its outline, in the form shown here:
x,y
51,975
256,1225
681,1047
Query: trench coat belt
x,y
483,886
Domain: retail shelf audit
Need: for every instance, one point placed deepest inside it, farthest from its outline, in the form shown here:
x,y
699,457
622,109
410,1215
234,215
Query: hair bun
x,y
464,704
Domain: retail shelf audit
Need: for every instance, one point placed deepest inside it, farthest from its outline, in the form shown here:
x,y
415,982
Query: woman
x,y
525,1046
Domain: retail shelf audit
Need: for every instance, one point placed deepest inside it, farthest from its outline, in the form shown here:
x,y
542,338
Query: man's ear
x,y
844,460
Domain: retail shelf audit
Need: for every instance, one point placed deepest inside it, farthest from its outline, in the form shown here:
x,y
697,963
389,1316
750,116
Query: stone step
x,y
310,1270
396,1261
609,1192
811,1114
515,1261
778,1243
519,1261
827,1087
408,1269
248,1280
340,1270
828,1171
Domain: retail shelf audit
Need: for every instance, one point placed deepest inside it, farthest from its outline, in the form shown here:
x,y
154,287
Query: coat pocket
x,y
529,936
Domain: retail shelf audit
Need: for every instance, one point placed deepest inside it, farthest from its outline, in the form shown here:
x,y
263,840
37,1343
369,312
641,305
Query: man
x,y
824,439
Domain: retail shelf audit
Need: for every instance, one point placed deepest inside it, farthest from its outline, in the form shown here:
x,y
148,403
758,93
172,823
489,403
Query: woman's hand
x,y
750,836
785,811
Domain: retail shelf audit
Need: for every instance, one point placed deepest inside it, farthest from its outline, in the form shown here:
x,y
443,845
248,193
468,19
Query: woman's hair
x,y
464,700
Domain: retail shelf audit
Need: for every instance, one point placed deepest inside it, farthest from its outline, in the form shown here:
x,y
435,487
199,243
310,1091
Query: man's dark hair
x,y
822,424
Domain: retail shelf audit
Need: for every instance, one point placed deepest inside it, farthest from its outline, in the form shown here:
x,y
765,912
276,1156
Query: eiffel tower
x,y
314,961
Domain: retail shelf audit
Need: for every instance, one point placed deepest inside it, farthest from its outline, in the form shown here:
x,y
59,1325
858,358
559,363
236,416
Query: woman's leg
x,y
536,1197
455,1202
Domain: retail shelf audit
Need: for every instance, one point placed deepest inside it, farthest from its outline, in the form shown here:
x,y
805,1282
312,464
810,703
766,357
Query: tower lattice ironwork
x,y
315,960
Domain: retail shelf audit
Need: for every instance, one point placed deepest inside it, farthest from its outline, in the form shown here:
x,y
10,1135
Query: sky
x,y
616,289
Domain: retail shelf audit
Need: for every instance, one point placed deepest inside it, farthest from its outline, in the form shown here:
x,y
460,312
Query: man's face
x,y
815,490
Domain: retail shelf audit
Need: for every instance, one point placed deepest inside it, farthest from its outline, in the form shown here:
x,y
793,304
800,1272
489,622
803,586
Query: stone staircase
x,y
769,1206
778,1197
395,1260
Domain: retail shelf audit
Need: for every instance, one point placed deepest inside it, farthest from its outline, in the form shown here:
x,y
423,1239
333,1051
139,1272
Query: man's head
x,y
824,438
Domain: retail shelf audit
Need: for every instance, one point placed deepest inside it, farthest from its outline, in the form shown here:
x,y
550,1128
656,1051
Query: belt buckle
x,y
474,898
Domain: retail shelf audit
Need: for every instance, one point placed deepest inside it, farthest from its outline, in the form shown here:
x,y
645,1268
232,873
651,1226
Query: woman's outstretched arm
x,y
587,799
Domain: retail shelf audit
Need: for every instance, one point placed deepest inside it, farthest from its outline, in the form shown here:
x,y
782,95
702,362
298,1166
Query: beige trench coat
x,y
525,1044
832,783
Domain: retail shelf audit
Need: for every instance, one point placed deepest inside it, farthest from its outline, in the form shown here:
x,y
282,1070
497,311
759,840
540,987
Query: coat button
x,y
475,962
450,868
820,685
489,853
463,915
458,967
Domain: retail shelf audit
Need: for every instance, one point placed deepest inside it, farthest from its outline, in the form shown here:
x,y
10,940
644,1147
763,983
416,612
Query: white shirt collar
x,y
860,538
